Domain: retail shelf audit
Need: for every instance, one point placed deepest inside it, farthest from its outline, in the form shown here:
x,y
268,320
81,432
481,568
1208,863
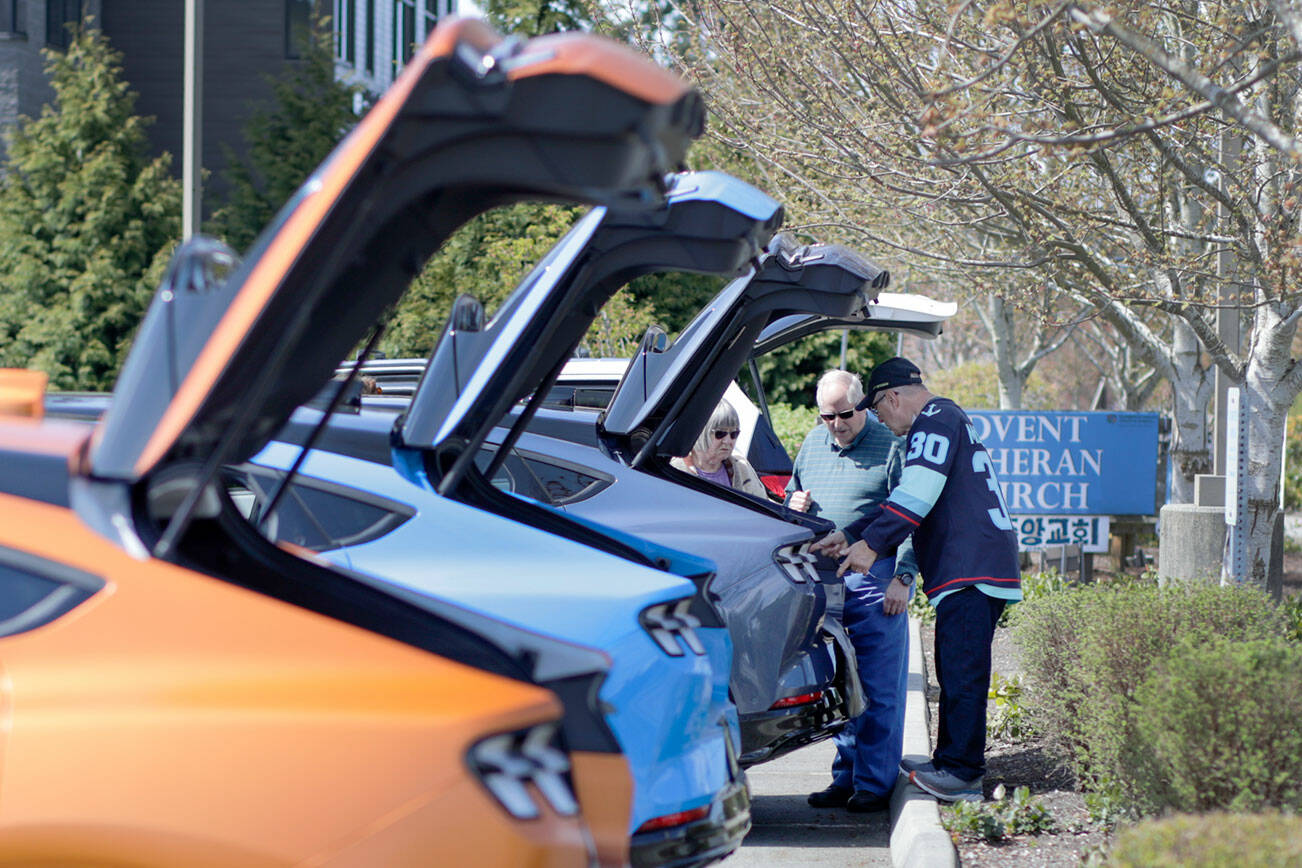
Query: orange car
x,y
150,715
176,690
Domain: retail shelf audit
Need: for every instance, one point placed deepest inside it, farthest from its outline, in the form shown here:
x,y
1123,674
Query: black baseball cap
x,y
897,371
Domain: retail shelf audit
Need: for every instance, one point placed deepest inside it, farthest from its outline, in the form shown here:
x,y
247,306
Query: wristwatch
x,y
905,579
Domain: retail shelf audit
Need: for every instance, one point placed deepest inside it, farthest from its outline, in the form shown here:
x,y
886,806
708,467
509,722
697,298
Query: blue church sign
x,y
1062,462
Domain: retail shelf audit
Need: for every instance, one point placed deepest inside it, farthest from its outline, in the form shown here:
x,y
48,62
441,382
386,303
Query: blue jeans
x,y
965,626
869,748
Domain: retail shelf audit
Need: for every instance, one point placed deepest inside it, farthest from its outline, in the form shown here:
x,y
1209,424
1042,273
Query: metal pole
x,y
1236,481
1227,315
845,338
192,121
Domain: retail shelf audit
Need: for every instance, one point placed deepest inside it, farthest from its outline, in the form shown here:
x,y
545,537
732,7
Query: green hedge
x,y
791,424
1210,841
1087,651
1218,728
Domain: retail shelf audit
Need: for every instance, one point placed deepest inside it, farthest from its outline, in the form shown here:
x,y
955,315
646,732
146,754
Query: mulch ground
x,y
1027,763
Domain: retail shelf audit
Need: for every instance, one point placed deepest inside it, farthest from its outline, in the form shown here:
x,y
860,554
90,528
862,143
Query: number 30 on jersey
x,y
931,446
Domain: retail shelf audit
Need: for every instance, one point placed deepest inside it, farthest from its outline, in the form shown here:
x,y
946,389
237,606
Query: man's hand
x,y
800,501
897,599
858,559
830,545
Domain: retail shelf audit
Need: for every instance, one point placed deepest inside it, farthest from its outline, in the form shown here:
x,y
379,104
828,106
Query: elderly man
x,y
949,501
846,467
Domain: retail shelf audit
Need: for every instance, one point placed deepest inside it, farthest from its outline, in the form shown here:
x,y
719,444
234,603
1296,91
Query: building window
x,y
298,27
345,30
404,31
61,17
13,17
370,36
429,18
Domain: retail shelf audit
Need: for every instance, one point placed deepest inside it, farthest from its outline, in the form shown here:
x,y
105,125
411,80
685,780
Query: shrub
x,y
1086,651
1293,461
1004,816
1293,617
791,424
1038,585
1035,586
1217,728
1009,719
1210,841
920,607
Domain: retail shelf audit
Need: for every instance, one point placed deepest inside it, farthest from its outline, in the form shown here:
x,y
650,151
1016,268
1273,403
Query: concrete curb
x,y
917,838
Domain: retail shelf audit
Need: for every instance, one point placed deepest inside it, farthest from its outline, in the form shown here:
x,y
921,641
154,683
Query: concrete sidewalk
x,y
787,832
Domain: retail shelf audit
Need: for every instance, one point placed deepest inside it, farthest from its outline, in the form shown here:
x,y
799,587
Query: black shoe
x,y
864,802
832,797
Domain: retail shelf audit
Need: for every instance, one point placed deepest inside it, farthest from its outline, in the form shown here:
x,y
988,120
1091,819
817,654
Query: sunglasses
x,y
872,408
828,417
719,435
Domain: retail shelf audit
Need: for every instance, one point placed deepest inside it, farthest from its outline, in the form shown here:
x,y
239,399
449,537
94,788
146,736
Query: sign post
x,y
1236,459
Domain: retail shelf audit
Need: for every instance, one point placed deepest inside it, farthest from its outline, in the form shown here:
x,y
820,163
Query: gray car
x,y
760,547
793,678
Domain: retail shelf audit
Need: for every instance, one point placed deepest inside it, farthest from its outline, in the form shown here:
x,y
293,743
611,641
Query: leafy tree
x,y
86,222
676,296
1138,163
791,373
535,17
618,328
310,112
486,258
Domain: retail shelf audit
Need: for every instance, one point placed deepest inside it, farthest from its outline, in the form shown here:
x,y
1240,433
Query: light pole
x,y
192,120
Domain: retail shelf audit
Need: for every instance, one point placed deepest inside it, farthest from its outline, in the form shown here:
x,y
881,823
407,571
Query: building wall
x,y
384,15
24,88
244,46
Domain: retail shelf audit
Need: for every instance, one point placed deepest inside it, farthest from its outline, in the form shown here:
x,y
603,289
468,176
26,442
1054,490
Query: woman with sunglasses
x,y
711,458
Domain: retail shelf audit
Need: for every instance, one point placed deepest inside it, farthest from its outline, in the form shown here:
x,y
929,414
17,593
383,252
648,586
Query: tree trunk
x,y
998,318
1266,395
1191,391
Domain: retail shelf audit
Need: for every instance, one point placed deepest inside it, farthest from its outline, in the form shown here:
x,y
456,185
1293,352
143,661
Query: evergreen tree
x,y
86,222
310,112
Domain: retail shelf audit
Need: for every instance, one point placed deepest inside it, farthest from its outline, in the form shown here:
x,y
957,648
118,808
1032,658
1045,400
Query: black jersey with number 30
x,y
949,499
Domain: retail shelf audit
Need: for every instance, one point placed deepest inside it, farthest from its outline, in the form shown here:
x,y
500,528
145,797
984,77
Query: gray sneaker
x,y
947,786
915,763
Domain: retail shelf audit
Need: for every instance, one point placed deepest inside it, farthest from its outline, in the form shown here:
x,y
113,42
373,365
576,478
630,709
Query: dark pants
x,y
868,748
965,626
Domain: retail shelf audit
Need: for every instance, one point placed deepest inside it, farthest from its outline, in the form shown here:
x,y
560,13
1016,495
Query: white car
x,y
591,383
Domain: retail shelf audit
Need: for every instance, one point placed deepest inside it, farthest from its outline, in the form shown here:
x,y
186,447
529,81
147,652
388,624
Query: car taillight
x,y
675,819
797,563
777,484
792,701
507,763
673,627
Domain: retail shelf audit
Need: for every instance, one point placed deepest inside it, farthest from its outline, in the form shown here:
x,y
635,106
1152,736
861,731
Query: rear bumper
x,y
702,842
769,734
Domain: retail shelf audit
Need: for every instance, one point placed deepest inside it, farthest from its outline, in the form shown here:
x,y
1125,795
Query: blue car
x,y
666,693
668,688
429,528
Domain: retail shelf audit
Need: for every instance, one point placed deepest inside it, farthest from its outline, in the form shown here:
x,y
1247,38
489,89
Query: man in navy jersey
x,y
949,500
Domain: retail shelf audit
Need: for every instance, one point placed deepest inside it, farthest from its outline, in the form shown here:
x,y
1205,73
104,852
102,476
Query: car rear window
x,y
35,591
313,514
